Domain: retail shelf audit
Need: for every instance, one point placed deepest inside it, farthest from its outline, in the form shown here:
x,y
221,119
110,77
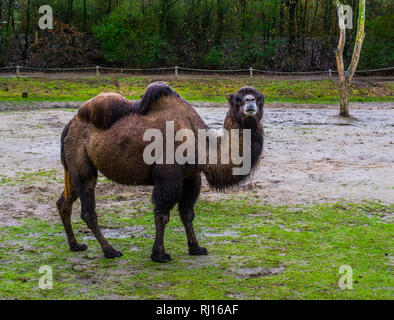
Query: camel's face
x,y
249,106
247,103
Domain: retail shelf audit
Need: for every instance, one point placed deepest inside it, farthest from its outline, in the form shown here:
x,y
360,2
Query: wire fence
x,y
16,70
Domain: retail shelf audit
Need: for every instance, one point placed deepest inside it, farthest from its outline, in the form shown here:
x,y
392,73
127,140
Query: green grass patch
x,y
211,90
31,177
256,252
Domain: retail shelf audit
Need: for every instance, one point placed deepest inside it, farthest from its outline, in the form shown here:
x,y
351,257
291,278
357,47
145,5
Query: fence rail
x,y
176,69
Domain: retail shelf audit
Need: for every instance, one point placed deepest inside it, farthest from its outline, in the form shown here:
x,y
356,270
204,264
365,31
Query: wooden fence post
x,y
17,71
251,72
176,72
97,71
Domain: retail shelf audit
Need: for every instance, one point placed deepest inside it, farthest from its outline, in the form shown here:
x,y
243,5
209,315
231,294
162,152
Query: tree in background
x,y
345,77
282,35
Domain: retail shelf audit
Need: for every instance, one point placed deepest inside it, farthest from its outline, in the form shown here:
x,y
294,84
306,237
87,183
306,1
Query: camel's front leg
x,y
190,192
166,193
158,251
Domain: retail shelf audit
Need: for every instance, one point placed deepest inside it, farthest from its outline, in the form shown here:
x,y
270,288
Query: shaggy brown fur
x,y
107,136
220,176
107,108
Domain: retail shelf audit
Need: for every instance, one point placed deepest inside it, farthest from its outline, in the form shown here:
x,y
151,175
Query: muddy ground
x,y
310,156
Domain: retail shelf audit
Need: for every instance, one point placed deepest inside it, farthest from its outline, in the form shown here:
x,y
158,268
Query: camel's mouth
x,y
250,109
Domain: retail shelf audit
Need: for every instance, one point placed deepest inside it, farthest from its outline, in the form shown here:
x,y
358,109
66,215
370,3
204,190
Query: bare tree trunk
x,y
292,8
345,77
281,18
27,29
344,89
311,25
165,7
10,22
69,15
220,21
85,16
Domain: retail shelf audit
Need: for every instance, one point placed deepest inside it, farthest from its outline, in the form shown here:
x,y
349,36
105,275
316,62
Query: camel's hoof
x,y
198,251
78,247
160,257
112,253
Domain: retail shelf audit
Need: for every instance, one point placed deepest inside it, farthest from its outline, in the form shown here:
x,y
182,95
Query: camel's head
x,y
246,105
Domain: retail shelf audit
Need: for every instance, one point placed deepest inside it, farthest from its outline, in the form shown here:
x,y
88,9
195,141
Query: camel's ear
x,y
260,100
234,100
230,99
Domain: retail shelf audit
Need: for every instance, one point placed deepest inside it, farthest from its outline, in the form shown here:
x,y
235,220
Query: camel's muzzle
x,y
250,109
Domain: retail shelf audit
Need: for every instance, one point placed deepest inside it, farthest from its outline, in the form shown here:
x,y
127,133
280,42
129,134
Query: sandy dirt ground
x,y
310,155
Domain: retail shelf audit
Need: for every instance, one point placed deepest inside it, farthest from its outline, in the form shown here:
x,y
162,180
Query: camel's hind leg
x,y
190,192
67,198
65,209
88,213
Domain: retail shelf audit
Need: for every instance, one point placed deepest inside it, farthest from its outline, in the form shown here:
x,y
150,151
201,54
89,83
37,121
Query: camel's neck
x,y
250,145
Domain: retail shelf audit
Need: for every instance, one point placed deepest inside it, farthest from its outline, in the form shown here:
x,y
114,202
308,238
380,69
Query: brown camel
x,y
107,135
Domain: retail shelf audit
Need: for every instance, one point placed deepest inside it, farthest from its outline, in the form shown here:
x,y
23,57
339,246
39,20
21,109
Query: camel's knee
x,y
59,203
89,216
162,218
88,206
65,205
187,215
87,196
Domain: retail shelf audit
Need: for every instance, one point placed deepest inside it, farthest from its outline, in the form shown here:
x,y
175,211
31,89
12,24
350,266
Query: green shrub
x,y
378,46
214,58
129,38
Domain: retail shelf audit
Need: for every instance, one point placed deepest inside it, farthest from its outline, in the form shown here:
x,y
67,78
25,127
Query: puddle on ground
x,y
259,272
220,234
120,233
196,262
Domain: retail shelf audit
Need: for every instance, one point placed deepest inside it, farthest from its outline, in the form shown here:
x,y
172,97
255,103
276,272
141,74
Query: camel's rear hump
x,y
107,108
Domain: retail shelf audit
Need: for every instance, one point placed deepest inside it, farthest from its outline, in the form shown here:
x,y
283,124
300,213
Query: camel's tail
x,y
154,92
67,178
67,185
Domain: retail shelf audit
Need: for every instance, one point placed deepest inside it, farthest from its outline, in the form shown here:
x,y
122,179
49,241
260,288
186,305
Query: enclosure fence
x,y
250,71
